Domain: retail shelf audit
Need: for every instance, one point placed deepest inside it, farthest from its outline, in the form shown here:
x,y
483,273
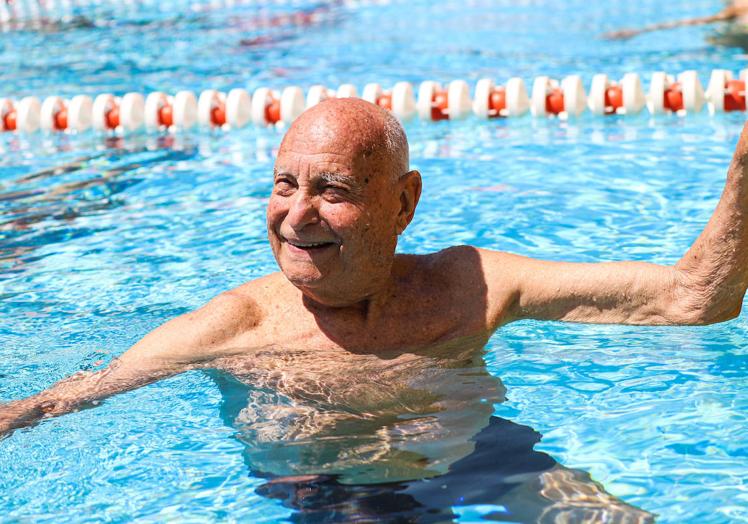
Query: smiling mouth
x,y
310,246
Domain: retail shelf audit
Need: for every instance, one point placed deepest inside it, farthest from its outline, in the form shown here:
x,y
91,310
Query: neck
x,y
368,306
368,302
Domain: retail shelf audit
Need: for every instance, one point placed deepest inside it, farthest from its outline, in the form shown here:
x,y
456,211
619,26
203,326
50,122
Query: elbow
x,y
723,312
696,304
728,315
706,316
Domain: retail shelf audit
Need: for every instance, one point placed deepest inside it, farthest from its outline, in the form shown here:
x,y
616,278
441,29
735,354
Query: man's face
x,y
332,218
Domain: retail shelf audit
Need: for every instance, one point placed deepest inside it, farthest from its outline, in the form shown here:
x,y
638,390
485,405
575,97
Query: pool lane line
x,y
159,111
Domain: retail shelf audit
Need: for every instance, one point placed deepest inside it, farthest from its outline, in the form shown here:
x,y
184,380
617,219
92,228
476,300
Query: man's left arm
x,y
706,285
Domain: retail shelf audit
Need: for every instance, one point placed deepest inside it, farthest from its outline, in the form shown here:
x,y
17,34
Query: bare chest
x,y
421,325
316,371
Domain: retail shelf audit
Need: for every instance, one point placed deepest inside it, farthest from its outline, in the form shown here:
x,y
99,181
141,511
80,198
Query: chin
x,y
303,278
313,286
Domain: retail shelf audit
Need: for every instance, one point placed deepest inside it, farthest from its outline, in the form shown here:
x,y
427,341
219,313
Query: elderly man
x,y
362,366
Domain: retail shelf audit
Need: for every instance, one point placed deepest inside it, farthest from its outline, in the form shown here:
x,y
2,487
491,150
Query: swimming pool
x,y
102,240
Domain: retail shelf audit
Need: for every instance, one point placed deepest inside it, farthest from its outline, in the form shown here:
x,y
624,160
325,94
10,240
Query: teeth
x,y
315,244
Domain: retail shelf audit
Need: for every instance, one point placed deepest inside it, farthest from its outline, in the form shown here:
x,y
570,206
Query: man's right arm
x,y
187,342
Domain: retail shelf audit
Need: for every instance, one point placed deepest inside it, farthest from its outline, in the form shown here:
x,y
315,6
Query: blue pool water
x,y
103,240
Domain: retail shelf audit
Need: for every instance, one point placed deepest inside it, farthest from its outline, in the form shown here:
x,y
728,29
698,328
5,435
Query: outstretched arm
x,y
187,342
725,15
81,390
707,285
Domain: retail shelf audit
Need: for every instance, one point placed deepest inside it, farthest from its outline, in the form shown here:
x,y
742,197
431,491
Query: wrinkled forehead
x,y
352,144
344,137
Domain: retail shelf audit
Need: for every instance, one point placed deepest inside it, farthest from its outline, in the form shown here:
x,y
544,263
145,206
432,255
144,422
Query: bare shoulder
x,y
470,264
209,332
478,277
456,262
236,312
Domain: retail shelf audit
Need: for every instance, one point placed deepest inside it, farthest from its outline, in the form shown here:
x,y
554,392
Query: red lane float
x,y
215,109
57,114
8,115
435,103
551,99
271,108
681,97
158,111
724,93
54,114
399,100
162,111
22,117
624,98
110,113
492,101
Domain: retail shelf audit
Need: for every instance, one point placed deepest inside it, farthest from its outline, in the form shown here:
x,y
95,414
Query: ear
x,y
410,191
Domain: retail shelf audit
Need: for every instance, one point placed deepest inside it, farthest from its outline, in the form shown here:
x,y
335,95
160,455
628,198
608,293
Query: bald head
x,y
342,194
351,126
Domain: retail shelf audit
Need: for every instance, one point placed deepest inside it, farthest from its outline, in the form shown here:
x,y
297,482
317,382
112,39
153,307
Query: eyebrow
x,y
329,176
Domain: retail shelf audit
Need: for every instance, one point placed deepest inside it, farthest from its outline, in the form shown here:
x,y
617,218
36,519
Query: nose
x,y
303,210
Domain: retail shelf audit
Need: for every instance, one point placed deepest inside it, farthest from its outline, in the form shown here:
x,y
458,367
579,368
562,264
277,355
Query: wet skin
x,y
352,341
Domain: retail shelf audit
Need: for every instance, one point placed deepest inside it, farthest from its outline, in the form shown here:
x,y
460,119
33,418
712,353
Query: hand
x,y
6,423
21,413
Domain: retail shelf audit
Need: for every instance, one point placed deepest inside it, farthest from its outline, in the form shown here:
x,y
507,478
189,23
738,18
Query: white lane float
x,y
317,94
238,108
624,98
184,107
399,100
80,110
373,93
273,108
434,103
666,95
725,94
216,109
22,117
346,91
492,101
549,98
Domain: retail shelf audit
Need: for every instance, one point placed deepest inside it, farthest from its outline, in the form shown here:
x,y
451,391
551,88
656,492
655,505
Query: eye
x,y
284,185
333,192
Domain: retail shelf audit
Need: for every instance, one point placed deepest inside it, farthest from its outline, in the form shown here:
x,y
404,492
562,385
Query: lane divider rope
x,y
548,97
